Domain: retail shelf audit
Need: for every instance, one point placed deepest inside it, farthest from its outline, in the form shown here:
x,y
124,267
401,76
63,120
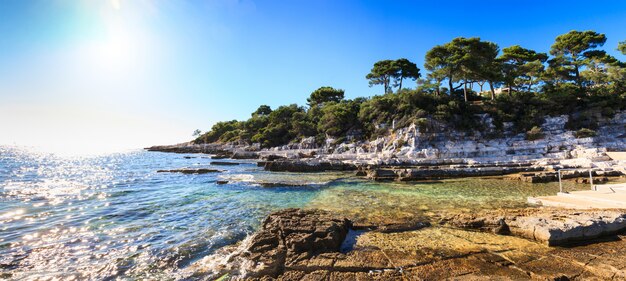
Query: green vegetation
x,y
534,134
585,133
524,86
385,72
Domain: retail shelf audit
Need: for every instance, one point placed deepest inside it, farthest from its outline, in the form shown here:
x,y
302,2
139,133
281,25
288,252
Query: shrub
x,y
422,124
585,133
534,134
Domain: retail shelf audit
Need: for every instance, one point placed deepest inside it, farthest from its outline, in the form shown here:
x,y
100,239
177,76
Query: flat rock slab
x,y
221,163
190,171
551,226
303,245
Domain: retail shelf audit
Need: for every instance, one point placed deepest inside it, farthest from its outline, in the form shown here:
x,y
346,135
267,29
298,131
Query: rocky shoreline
x,y
378,168
409,154
296,244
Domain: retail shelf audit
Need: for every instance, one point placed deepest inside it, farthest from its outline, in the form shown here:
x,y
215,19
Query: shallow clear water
x,y
114,216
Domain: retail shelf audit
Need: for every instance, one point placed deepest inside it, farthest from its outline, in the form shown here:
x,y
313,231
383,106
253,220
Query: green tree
x,y
382,73
521,66
464,60
338,118
622,47
480,63
196,133
219,130
263,110
325,94
443,62
601,71
407,70
571,52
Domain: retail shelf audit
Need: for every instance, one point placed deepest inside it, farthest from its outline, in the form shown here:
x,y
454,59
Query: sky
x,y
109,75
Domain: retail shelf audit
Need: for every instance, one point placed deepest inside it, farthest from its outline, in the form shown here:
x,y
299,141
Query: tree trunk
x,y
386,85
465,90
493,92
400,86
450,85
577,72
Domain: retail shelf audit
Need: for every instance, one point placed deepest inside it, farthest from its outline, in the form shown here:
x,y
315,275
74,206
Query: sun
x,y
116,4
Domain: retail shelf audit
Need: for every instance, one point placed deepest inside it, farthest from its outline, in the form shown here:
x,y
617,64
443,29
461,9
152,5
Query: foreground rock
x,y
285,239
307,245
551,226
190,171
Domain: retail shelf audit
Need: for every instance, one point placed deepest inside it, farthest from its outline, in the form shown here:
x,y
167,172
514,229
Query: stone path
x,y
604,197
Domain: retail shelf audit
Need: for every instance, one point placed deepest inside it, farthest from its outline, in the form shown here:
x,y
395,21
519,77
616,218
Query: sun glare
x,y
116,4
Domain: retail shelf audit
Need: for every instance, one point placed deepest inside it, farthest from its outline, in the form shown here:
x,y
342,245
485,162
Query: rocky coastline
x,y
296,244
411,153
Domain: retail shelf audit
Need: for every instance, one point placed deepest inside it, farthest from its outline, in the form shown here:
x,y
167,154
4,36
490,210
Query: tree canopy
x,y
577,78
325,94
391,73
572,52
521,67
263,110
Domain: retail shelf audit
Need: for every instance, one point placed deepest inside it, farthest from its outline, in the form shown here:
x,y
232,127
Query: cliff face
x,y
435,141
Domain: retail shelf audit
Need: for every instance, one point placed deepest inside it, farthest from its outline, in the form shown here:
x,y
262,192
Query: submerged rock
x,y
190,171
283,184
220,163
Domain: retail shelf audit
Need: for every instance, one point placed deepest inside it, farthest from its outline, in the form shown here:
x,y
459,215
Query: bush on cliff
x,y
585,133
534,134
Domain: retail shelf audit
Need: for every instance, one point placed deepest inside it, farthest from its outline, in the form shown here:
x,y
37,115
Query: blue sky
x,y
122,73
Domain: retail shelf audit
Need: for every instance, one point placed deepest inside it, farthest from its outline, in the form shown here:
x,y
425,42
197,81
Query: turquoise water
x,y
114,216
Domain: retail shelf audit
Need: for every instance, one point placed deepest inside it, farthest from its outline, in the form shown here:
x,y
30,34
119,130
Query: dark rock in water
x,y
245,155
220,156
281,184
188,157
401,227
361,173
221,182
308,166
425,173
190,171
289,236
272,157
218,163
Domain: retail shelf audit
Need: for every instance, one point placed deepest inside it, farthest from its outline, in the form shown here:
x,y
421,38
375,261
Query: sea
x,y
115,217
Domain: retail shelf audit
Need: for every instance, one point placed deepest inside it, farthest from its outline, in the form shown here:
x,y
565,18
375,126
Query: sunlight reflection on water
x,y
113,216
